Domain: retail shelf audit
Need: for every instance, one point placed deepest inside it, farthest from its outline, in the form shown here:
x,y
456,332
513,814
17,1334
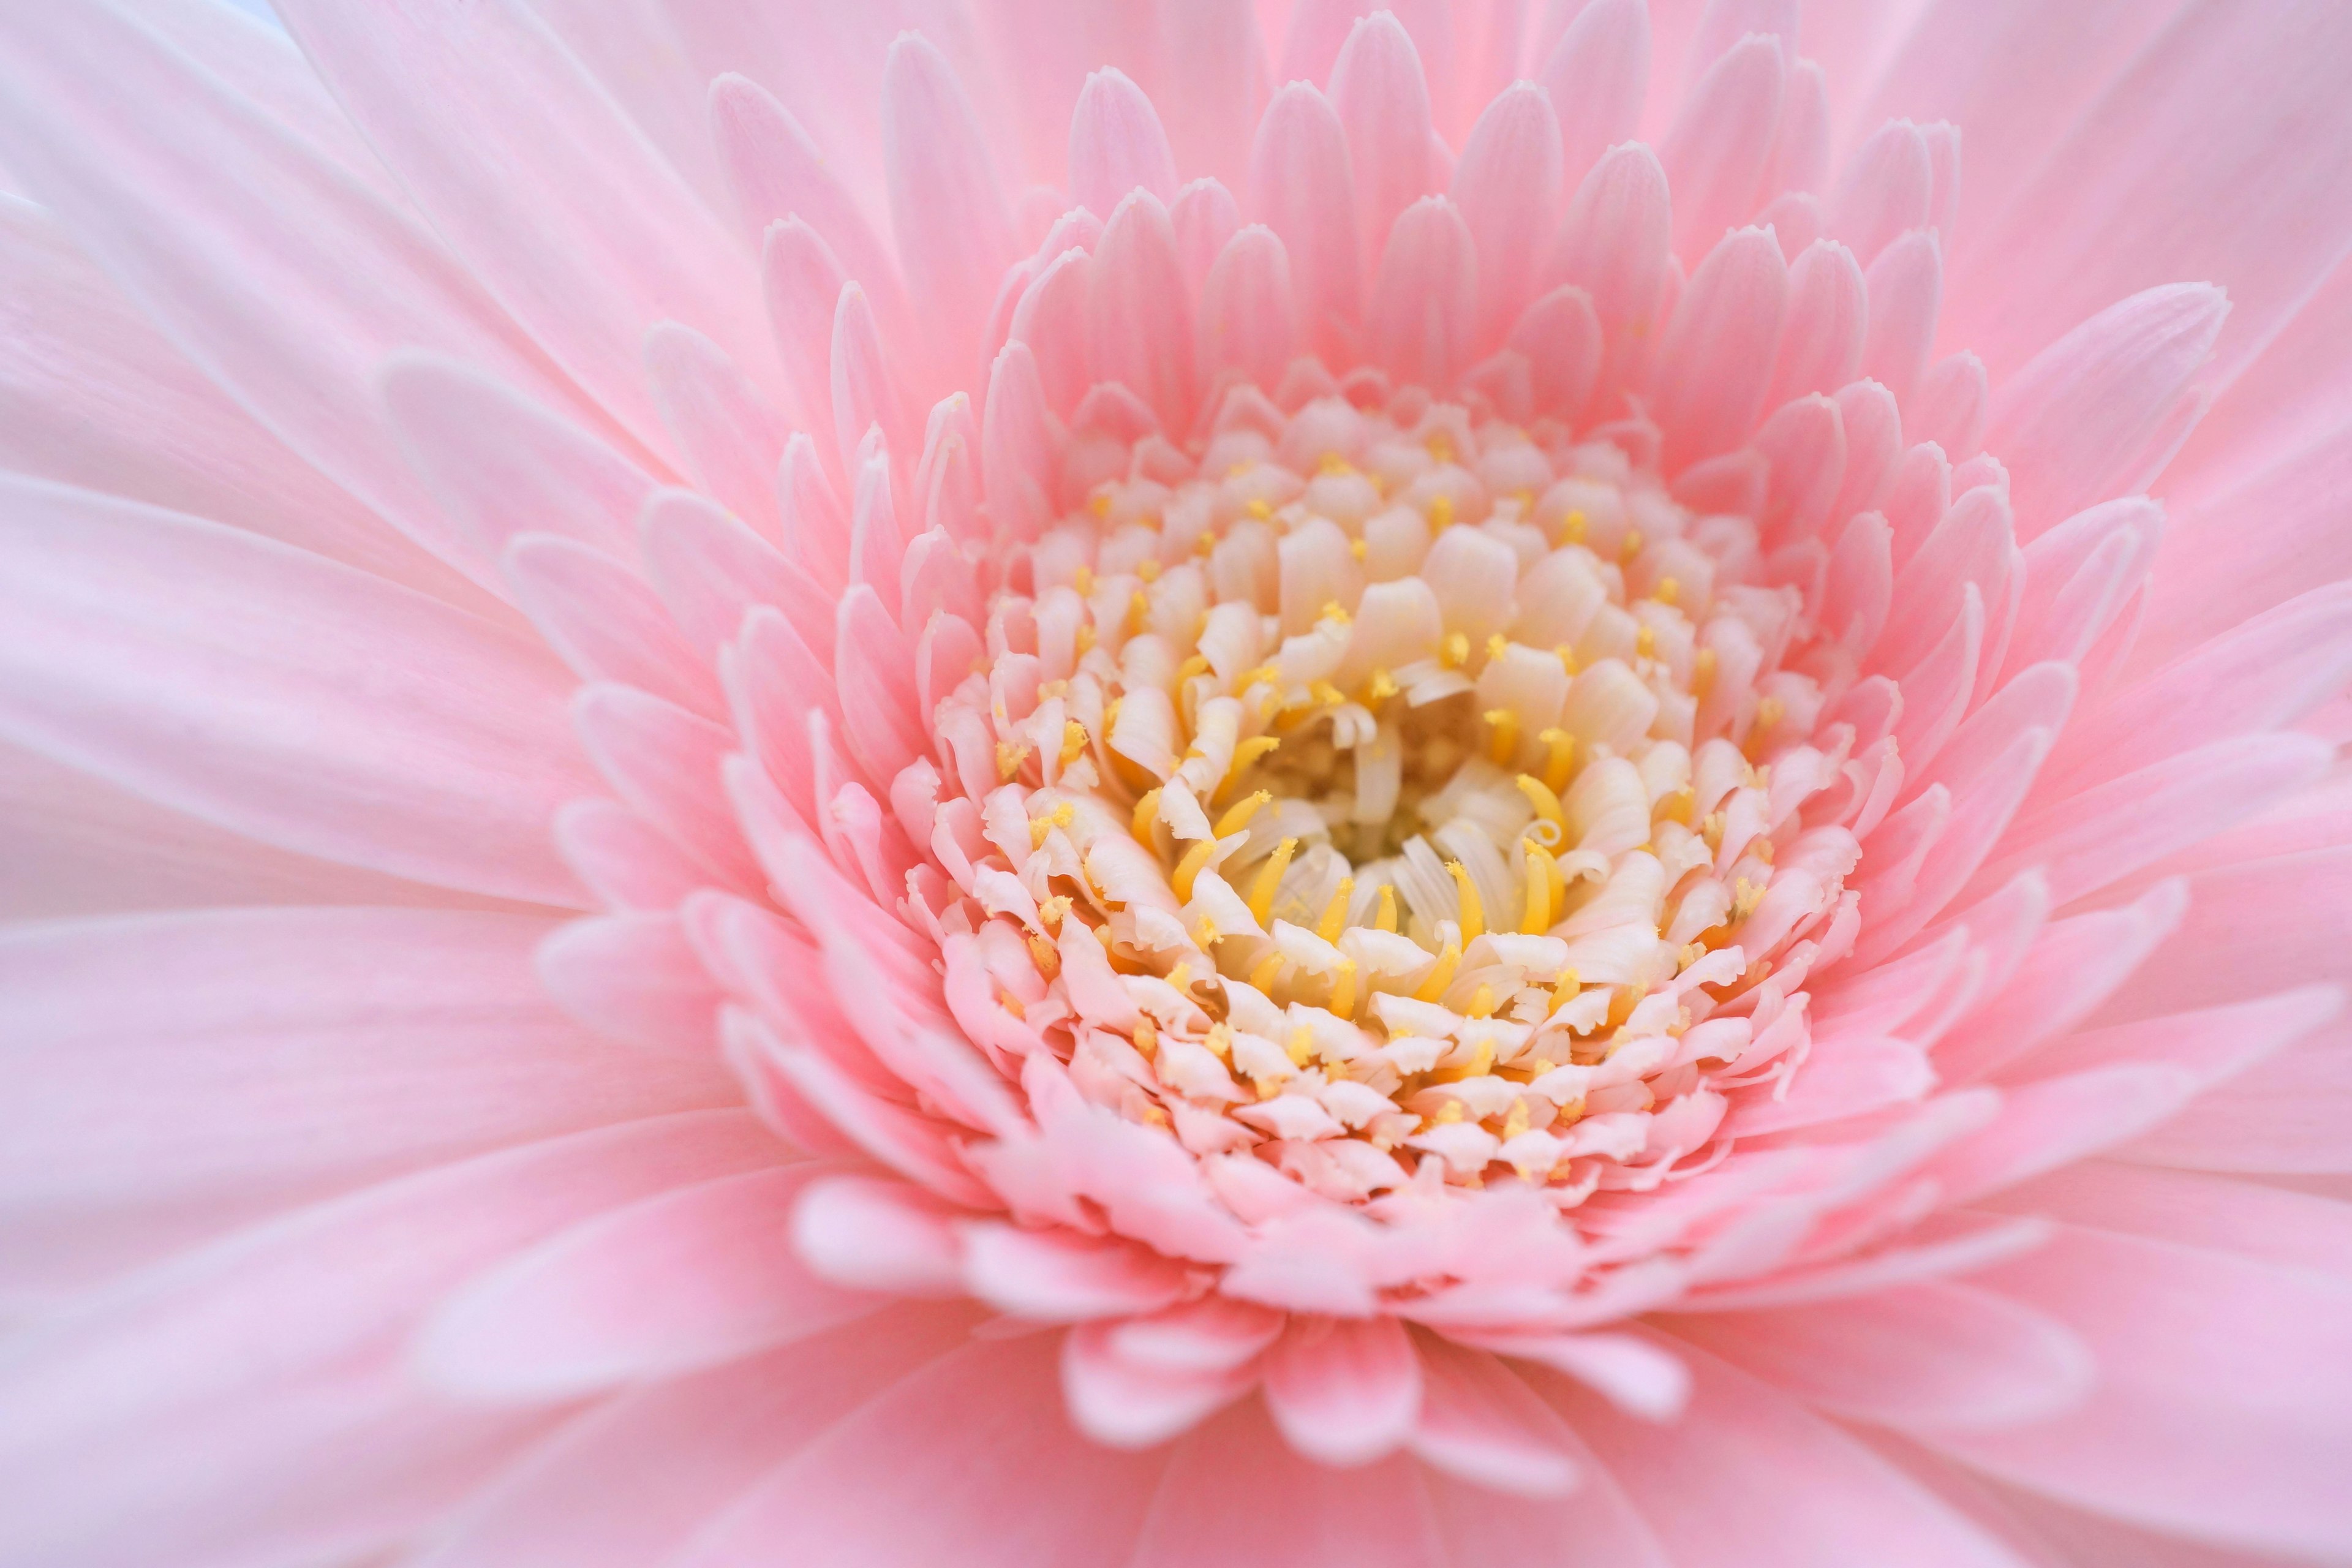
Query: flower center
x,y
1395,788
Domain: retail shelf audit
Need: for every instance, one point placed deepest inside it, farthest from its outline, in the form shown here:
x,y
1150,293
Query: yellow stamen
x,y
1629,546
1516,1122
1567,657
1147,1038
1442,976
1138,610
1498,645
1668,591
1149,570
1768,713
1441,511
1188,870
1559,759
1074,740
1343,990
1220,1042
1098,503
1454,652
1623,1003
1009,758
1505,738
1324,692
1466,893
1333,463
1146,810
1440,449
1245,756
1544,798
1385,917
1564,990
1205,934
1335,913
1047,956
1270,879
1300,1047
1447,1114
1702,673
1258,509
1196,665
1534,916
1086,643
1645,643
1207,544
1085,581
1676,806
1333,610
1383,686
1180,978
1359,549
1238,814
1061,816
1571,529
1482,1006
1262,974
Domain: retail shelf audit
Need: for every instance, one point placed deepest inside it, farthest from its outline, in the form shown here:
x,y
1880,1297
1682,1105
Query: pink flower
x,y
965,810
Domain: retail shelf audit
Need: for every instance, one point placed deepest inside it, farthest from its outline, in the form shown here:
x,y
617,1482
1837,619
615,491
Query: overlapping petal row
x,y
1427,783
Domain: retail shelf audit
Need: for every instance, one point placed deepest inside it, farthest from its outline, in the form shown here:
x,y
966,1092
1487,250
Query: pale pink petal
x,y
336,718
1117,145
946,211
601,619
1940,1356
1479,1422
1508,188
1212,81
697,1276
1888,189
1383,102
1716,352
1746,1437
1716,153
2293,1229
1139,310
1822,336
662,761
1595,76
725,436
1906,287
1302,186
882,1487
1423,316
1248,320
603,242
1128,1403
1344,1391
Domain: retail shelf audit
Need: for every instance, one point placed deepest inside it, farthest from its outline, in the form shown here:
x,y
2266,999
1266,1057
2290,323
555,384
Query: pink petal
x,y
635,979
1716,352
2057,1121
1138,311
1117,145
712,572
1716,153
1746,1437
1613,240
1058,1276
1248,322
694,1276
888,1486
662,761
1508,187
2089,415
870,1233
1561,339
1594,77
1847,1075
1947,406
1478,1421
2220,1399
604,239
1822,337
1344,1391
1235,1492
299,701
1639,1377
1383,102
601,619
624,860
1422,318
1128,1404
2189,1209
1302,186
1213,73
728,436
947,213
1906,291
645,1471
1938,1356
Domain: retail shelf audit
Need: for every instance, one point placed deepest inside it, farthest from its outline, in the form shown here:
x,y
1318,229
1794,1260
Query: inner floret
x,y
1398,791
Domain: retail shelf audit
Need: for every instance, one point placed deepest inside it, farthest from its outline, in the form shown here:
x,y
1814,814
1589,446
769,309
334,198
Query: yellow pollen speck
x,y
1188,870
1047,956
1085,581
1450,960
1198,664
1220,1042
1440,448
1011,1003
1205,935
1567,657
1504,725
1385,917
1147,1038
1559,761
1441,511
1630,546
1324,692
1138,610
1454,652
1516,1122
1245,756
1180,978
1335,913
1086,638
1074,742
1300,1047
1098,503
1498,645
1465,895
1333,463
1769,713
1447,1114
1383,686
1645,643
1702,673
1359,549
1334,611
1238,469
1258,509
1668,591
1009,758
1623,1003
1482,1006
1053,911
1207,544
1262,974
1061,816
1676,806
1269,879
1572,527
1149,570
